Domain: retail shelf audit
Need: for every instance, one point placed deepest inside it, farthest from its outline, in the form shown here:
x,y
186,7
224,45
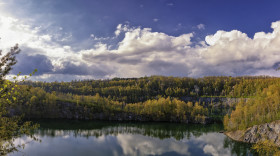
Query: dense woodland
x,y
158,97
263,108
132,90
38,103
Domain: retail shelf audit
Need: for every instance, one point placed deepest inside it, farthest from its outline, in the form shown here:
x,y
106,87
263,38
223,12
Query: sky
x,y
102,39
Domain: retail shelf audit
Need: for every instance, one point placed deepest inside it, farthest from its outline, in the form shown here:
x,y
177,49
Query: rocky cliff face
x,y
267,131
216,101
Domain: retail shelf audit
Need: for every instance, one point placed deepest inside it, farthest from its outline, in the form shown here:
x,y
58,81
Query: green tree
x,y
266,148
11,127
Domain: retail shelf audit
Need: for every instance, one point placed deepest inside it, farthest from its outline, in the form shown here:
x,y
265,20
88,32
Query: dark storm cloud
x,y
101,57
109,57
26,64
276,65
83,69
131,61
160,67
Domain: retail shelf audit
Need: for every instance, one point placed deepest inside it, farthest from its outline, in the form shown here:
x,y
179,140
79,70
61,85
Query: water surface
x,y
80,138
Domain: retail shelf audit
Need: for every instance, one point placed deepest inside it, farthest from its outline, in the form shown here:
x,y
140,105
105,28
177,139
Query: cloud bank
x,y
140,51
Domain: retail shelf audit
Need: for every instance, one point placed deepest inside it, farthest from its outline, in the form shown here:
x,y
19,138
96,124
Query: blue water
x,y
78,138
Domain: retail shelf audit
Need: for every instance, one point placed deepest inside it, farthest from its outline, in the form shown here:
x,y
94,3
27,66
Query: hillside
x,y
155,98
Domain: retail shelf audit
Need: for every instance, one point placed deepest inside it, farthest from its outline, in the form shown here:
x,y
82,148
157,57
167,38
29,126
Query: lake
x,y
67,137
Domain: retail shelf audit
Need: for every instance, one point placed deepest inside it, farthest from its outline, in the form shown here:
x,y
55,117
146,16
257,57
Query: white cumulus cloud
x,y
142,52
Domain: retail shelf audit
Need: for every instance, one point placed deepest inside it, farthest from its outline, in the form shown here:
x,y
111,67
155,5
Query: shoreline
x,y
267,131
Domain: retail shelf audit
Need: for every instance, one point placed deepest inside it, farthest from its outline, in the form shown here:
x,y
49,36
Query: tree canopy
x,y
11,127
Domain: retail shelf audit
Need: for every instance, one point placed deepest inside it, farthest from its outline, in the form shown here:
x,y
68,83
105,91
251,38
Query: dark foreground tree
x,y
11,127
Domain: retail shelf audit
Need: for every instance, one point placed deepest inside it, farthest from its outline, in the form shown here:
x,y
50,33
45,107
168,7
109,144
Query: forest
x,y
155,98
132,90
263,108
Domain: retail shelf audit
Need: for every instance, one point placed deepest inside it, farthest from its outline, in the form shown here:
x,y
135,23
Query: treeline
x,y
159,98
263,108
99,129
133,90
41,104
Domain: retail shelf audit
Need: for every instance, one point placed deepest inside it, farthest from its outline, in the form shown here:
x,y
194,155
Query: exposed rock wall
x,y
267,131
216,101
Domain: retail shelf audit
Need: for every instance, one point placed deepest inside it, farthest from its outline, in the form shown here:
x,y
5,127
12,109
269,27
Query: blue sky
x,y
174,17
71,39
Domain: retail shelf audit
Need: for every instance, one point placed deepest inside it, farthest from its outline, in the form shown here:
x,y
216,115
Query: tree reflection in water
x,y
140,138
